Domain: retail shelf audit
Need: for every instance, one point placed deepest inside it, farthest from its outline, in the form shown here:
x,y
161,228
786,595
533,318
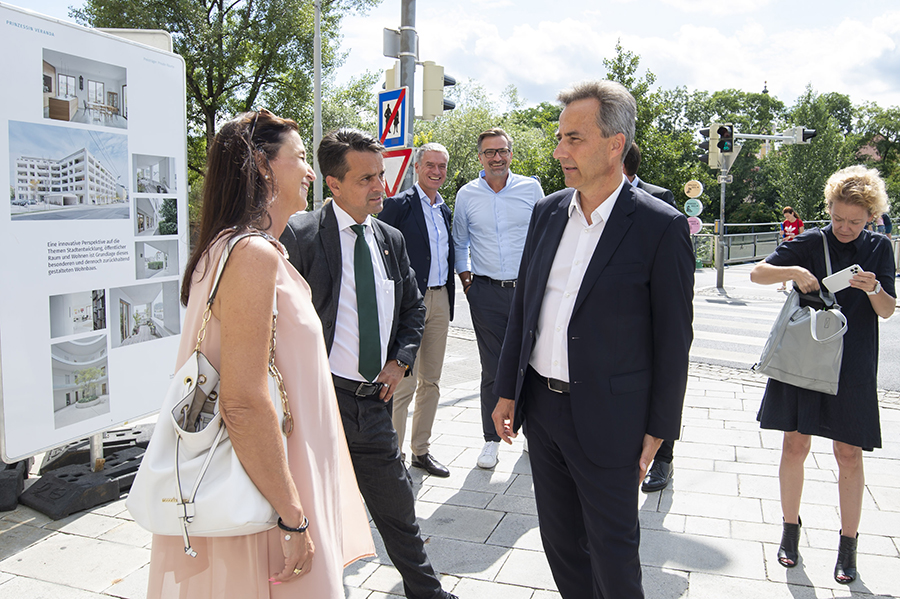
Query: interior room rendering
x,y
154,174
143,313
80,90
156,258
73,313
80,379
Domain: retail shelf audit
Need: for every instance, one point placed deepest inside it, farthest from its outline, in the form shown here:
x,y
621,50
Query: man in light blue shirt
x,y
490,223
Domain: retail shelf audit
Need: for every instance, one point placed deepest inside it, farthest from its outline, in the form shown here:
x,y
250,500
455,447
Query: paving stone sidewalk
x,y
712,534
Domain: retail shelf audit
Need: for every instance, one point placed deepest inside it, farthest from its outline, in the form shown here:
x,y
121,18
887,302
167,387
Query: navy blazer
x,y
313,243
630,330
657,192
404,211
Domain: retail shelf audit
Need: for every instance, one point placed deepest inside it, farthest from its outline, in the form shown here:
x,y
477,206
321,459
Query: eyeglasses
x,y
503,152
256,118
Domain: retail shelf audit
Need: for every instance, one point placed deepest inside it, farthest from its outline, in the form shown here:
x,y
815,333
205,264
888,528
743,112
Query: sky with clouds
x,y
542,47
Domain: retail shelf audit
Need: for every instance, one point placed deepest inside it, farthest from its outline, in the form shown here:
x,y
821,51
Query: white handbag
x,y
190,446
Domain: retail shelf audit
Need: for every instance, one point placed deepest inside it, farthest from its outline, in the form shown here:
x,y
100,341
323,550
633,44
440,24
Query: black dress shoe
x,y
430,465
658,477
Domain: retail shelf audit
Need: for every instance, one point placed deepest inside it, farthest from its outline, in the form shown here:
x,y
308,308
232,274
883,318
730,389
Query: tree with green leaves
x,y
168,224
800,171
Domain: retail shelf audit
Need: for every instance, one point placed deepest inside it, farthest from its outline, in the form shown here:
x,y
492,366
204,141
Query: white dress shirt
x,y
550,356
438,239
344,357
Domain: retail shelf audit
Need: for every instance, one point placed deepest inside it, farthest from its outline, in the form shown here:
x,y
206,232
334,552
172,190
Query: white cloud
x,y
718,7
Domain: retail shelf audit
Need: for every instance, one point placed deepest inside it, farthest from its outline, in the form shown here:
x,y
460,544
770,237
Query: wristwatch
x,y
877,289
402,364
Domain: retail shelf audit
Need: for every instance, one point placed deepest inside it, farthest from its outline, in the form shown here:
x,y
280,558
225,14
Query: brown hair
x,y
236,190
495,132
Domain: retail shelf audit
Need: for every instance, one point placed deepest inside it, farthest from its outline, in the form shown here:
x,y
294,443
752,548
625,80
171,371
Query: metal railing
x,y
748,243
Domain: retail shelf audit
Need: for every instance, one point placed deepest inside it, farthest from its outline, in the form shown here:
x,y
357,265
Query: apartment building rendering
x,y
78,179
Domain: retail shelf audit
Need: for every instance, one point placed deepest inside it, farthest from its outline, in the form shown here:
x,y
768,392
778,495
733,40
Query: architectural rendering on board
x,y
77,179
80,90
143,313
80,379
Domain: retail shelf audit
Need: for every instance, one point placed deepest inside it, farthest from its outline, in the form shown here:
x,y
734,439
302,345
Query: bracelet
x,y
301,529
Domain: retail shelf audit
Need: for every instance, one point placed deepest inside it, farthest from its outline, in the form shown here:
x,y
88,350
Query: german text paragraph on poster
x,y
84,255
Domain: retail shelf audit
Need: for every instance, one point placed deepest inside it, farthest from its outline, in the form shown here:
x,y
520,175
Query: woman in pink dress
x,y
257,176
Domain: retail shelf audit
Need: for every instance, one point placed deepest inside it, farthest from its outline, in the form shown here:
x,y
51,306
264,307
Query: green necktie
x,y
366,307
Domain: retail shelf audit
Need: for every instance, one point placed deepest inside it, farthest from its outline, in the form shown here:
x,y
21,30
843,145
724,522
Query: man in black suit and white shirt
x,y
323,246
630,167
595,357
424,219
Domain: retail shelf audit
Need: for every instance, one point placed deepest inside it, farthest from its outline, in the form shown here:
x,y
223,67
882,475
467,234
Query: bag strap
x,y
287,422
828,298
827,254
220,268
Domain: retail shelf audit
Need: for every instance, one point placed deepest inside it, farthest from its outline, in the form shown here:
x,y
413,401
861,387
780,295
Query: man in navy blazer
x,y
595,358
424,219
322,246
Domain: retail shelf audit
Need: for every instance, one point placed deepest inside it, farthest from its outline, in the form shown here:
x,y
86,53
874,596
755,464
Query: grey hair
x,y
431,146
617,107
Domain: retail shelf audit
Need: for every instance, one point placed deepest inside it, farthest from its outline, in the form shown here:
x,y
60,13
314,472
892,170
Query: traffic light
x,y
433,83
392,77
799,135
710,146
726,138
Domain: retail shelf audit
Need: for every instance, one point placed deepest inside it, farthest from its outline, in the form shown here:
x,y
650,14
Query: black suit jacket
x,y
657,192
630,330
313,243
404,211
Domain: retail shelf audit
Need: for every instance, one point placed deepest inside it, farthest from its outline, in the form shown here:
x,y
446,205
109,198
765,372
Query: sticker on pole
x,y
695,224
693,188
693,207
392,117
395,164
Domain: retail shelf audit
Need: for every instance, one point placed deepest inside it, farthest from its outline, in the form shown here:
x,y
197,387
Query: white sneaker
x,y
488,457
525,445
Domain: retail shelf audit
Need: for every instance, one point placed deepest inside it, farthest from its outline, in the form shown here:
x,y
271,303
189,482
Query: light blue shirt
x,y
493,225
438,238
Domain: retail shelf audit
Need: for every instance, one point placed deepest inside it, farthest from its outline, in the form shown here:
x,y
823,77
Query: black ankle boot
x,y
845,569
789,552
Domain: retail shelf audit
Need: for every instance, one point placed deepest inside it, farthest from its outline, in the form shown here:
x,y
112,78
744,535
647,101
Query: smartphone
x,y
841,280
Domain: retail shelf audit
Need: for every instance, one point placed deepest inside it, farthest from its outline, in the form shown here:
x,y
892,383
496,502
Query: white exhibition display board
x,y
94,235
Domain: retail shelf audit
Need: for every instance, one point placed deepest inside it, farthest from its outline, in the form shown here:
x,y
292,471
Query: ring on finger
x,y
298,570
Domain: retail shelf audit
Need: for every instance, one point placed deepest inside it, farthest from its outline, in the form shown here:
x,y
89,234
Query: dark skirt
x,y
850,417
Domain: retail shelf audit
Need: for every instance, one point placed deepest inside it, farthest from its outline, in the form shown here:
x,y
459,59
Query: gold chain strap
x,y
201,334
287,424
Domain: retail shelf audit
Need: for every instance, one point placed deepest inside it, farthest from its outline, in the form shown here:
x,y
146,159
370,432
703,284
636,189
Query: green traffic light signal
x,y
726,138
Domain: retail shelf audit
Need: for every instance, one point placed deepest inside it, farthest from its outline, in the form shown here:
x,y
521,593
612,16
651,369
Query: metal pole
x,y
720,239
97,458
408,55
317,104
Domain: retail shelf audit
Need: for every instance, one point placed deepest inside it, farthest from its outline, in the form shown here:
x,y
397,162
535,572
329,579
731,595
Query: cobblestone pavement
x,y
712,534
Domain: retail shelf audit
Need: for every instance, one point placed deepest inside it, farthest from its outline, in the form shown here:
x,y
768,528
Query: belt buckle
x,y
364,389
508,284
550,386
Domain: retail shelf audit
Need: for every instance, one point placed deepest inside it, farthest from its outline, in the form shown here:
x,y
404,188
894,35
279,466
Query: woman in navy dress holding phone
x,y
850,419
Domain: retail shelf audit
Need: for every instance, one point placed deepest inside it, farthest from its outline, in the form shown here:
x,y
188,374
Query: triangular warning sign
x,y
395,164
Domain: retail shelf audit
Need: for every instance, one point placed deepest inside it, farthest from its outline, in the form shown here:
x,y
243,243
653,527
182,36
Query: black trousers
x,y
489,306
387,489
588,514
665,452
